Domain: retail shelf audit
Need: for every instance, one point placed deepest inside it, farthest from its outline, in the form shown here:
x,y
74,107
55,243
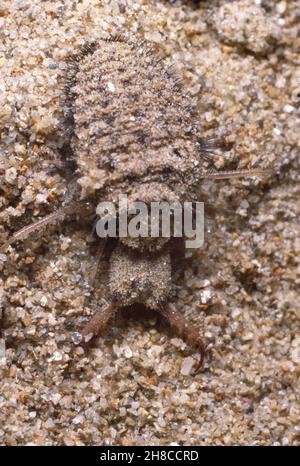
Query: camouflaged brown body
x,y
133,131
133,124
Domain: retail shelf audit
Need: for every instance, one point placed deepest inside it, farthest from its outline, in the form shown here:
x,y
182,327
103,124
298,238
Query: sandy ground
x,y
135,385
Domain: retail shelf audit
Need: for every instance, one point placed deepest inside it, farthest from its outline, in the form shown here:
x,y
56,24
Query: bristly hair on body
x,y
132,128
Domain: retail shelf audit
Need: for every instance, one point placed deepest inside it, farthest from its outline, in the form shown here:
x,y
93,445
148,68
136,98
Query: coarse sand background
x,y
135,386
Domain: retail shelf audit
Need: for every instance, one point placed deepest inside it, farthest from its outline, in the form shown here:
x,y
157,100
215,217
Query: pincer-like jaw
x,y
185,330
200,364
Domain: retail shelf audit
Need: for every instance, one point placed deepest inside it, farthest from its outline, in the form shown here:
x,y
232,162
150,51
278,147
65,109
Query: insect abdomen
x,y
130,114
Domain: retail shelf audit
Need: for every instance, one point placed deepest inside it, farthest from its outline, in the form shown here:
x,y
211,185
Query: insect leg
x,y
95,269
70,207
185,330
222,175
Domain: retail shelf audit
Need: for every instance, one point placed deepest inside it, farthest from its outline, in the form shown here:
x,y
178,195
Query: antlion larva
x,y
133,130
